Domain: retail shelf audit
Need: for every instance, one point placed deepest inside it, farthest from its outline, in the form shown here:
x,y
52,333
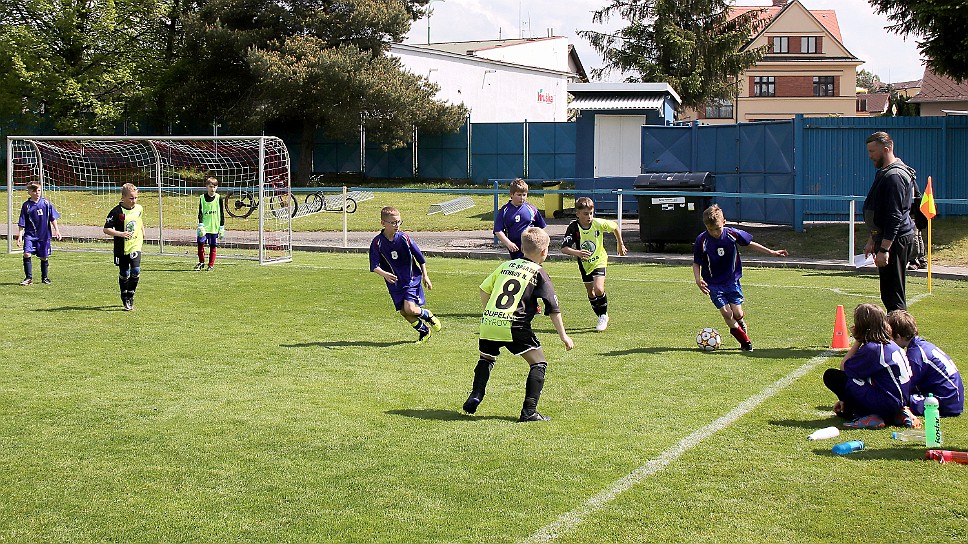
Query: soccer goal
x,y
82,176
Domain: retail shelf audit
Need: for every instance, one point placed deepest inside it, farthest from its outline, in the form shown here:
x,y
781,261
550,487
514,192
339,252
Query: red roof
x,y
935,88
827,17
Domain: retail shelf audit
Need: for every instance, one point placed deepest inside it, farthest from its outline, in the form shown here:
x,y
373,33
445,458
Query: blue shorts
x,y
36,246
413,293
722,295
210,239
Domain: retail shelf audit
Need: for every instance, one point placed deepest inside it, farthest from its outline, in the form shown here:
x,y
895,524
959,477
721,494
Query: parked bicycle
x,y
281,203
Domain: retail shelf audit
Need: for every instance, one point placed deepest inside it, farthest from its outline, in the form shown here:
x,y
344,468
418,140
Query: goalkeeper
x,y
125,223
211,223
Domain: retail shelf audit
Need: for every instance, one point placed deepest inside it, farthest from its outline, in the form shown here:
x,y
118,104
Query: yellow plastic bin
x,y
553,201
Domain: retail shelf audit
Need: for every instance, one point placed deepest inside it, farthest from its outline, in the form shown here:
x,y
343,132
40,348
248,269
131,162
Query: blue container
x,y
848,447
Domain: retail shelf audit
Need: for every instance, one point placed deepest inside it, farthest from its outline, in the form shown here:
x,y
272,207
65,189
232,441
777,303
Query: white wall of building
x,y
495,92
550,53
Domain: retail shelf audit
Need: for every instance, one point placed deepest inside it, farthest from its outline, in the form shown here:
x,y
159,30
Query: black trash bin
x,y
665,219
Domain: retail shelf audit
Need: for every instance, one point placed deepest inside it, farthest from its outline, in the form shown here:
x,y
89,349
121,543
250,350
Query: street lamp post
x,y
430,11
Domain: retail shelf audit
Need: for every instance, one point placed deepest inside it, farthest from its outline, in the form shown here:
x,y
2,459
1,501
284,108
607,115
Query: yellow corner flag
x,y
927,202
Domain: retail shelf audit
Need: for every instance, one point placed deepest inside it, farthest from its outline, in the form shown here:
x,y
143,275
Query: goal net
x,y
82,177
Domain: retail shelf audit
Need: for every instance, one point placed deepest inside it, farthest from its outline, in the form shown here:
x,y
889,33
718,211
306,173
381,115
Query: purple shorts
x,y
722,295
413,293
210,239
35,246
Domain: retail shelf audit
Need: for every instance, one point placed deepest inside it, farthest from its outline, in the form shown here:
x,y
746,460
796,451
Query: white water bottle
x,y
825,433
909,435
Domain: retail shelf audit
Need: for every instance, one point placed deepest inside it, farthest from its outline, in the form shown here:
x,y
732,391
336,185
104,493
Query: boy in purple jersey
x,y
717,268
932,370
398,260
38,219
515,217
874,380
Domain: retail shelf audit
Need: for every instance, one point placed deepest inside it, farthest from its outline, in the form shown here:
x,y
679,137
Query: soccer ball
x,y
708,339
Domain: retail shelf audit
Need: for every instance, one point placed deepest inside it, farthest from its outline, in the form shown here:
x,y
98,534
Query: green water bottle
x,y
932,422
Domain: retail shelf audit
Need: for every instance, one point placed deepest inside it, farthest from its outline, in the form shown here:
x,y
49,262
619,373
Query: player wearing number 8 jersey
x,y
510,298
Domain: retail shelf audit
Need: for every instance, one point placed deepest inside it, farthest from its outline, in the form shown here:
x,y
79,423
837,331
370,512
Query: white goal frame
x,y
82,177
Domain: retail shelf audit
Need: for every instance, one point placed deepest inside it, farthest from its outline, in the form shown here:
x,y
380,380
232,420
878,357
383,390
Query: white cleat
x,y
602,323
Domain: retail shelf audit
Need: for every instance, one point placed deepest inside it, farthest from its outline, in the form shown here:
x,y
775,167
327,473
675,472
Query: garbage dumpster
x,y
553,201
672,219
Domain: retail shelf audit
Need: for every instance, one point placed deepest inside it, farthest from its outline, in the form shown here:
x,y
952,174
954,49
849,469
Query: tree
x,y
869,80
694,45
318,63
939,25
80,63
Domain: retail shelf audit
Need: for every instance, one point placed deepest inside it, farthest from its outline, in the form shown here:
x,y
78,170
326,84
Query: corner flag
x,y
927,202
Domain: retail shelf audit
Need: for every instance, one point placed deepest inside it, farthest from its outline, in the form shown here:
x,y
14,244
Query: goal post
x,y
82,177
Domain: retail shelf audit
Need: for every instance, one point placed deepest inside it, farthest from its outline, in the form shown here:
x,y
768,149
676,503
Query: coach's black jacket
x,y
887,209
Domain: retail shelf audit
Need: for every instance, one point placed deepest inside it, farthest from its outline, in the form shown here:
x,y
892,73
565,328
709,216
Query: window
x,y
808,44
781,44
823,85
861,104
764,86
719,109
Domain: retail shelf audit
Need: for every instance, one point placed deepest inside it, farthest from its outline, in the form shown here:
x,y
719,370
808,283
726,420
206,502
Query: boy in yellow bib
x,y
585,240
211,223
125,223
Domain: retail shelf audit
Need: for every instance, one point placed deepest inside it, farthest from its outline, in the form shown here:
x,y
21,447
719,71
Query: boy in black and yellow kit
x,y
510,298
126,224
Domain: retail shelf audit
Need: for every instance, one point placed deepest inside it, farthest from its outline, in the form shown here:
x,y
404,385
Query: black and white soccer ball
x,y
709,339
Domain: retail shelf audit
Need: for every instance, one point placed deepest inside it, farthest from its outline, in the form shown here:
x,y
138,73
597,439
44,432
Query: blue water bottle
x,y
848,447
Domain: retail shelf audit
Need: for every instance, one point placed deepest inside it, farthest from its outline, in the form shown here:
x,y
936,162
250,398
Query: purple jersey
x,y
514,220
718,258
932,371
36,217
400,257
880,379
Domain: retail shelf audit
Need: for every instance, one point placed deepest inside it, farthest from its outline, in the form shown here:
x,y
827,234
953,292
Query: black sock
x,y
532,388
482,373
133,284
420,326
44,264
28,268
600,304
123,285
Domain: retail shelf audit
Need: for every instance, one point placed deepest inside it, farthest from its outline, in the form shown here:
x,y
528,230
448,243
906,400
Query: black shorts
x,y
587,278
131,262
521,341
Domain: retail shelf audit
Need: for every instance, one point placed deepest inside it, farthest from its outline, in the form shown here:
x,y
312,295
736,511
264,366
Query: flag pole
x,y
929,210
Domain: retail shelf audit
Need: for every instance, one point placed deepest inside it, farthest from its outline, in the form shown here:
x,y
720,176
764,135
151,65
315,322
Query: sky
x,y
886,54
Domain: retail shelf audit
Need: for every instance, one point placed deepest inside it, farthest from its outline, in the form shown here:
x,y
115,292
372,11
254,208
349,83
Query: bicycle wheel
x,y
282,205
241,204
315,202
350,205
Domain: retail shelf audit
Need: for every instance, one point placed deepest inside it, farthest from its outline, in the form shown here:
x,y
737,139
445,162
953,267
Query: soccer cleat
x,y
434,322
533,416
424,336
199,266
746,346
866,422
906,418
27,281
128,304
471,404
602,323
211,268
45,281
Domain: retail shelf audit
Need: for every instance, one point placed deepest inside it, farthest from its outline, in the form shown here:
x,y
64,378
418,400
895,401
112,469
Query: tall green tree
x,y
79,63
694,45
939,26
868,80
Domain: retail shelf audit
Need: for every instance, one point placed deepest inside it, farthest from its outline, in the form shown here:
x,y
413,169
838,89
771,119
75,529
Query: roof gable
x,y
937,88
794,17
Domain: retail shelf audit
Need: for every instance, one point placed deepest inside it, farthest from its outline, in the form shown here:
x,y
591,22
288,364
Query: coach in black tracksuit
x,y
887,213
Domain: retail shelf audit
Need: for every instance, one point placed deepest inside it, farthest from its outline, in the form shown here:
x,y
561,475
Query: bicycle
x,y
317,202
281,203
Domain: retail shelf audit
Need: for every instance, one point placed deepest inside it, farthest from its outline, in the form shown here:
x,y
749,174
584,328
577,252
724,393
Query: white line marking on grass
x,y
569,521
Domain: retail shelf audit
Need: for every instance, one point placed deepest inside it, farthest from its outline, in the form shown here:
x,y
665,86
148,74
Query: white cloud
x,y
886,54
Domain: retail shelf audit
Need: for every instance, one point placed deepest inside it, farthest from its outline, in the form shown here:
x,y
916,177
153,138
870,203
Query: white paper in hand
x,y
863,260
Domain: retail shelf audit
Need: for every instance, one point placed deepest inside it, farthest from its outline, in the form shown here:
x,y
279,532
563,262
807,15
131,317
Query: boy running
x,y
211,223
398,260
717,269
38,219
515,217
510,298
125,223
585,239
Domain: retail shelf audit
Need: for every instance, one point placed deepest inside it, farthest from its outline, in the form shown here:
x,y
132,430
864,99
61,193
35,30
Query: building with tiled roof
x,y
940,94
872,104
807,69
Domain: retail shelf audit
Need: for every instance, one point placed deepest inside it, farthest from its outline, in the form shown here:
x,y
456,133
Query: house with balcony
x,y
807,69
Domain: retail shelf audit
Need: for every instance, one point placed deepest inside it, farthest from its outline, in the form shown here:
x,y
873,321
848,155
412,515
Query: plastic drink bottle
x,y
825,433
848,447
909,435
932,422
947,456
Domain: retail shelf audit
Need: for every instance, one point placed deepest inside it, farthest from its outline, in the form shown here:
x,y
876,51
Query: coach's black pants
x,y
892,276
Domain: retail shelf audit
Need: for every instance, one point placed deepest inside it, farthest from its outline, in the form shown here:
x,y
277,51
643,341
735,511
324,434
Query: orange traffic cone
x,y
839,340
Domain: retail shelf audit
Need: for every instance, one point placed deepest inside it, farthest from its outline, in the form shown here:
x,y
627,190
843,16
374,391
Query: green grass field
x,y
287,403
